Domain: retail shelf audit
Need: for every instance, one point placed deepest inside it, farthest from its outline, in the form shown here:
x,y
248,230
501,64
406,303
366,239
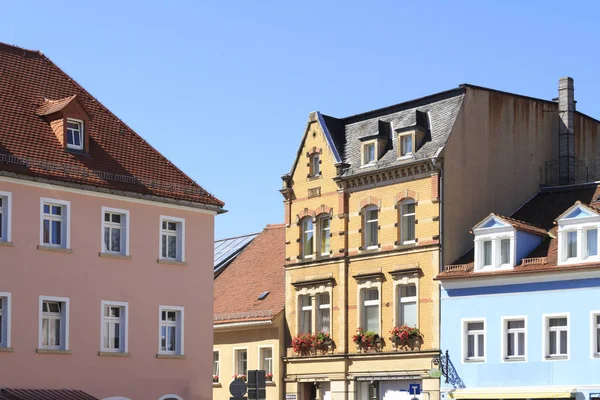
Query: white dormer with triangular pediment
x,y
494,244
578,235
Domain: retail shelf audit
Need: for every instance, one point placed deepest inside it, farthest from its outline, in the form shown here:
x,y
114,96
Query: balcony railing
x,y
534,261
584,170
458,267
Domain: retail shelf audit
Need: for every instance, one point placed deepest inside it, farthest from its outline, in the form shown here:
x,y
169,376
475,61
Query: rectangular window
x,y
5,320
54,323
315,165
115,231
572,244
557,337
487,253
504,251
215,366
308,234
55,223
407,305
591,236
408,222
74,134
241,362
114,327
371,228
305,314
406,145
368,153
324,229
323,313
515,339
171,330
172,236
266,360
370,310
596,335
5,213
475,341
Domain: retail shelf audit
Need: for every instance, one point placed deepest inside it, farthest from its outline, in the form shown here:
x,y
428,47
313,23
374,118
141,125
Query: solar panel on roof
x,y
227,249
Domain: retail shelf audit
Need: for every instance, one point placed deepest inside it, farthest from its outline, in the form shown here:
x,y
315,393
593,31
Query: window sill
x,y
170,356
550,358
514,359
171,262
51,351
474,360
217,384
314,177
269,383
7,349
54,249
113,354
7,244
114,256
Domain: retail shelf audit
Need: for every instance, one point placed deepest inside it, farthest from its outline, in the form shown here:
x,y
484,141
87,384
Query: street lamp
x,y
440,361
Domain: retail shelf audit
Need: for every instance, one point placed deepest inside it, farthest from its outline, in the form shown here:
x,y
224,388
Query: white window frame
x,y
403,280
124,325
504,342
401,137
594,326
5,337
546,337
64,322
371,303
366,231
180,238
404,215
315,165
65,219
180,329
303,243
580,225
409,299
326,232
494,234
81,134
320,306
363,153
260,358
218,364
6,211
313,292
464,339
235,360
301,309
125,223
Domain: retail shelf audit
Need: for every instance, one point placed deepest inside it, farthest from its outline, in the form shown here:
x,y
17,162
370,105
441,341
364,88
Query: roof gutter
x,y
242,324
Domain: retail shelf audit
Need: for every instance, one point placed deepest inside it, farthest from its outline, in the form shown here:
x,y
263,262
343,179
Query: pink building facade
x,y
105,287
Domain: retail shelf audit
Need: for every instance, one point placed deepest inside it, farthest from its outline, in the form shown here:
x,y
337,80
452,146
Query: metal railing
x,y
584,170
458,267
534,260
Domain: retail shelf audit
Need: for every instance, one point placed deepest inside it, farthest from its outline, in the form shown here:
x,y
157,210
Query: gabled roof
x,y
259,268
592,210
520,225
540,212
226,250
119,160
43,394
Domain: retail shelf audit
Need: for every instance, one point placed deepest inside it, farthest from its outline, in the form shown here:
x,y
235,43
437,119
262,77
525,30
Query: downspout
x,y
438,166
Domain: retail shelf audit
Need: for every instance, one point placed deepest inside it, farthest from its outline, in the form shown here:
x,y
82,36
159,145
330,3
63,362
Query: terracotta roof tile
x,y
540,212
118,159
258,269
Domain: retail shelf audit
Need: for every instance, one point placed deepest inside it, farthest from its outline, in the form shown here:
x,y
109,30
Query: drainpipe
x,y
438,166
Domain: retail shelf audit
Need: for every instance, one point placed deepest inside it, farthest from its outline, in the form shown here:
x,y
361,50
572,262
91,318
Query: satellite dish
x,y
238,388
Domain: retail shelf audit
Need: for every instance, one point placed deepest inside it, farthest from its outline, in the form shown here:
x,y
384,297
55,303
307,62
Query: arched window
x,y
371,226
324,227
308,237
407,221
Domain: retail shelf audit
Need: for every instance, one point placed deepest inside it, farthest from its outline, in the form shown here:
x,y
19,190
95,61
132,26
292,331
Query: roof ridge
x,y
11,48
135,134
521,221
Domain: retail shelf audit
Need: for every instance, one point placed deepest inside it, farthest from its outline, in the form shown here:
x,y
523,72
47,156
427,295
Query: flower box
x,y
405,338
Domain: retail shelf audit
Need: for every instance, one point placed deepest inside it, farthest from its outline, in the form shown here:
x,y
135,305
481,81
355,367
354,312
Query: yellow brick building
x,y
362,249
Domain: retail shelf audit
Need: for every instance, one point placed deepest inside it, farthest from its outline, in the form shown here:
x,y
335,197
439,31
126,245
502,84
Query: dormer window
x,y
406,145
578,235
74,134
368,153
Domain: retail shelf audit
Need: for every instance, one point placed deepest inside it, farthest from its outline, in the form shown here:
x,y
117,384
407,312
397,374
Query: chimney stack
x,y
566,135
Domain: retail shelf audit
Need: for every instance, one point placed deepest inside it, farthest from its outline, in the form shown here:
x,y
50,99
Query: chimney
x,y
566,135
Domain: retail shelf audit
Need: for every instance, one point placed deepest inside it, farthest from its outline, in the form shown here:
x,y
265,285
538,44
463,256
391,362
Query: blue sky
x,y
224,88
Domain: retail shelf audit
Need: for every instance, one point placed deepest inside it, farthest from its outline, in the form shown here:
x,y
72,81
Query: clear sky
x,y
223,88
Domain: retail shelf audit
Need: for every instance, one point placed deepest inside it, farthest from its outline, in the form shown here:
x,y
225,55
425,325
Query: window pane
x,y
505,251
216,363
409,313
475,326
307,238
116,240
371,318
470,346
558,322
487,252
107,217
172,316
597,340
371,294
563,342
172,246
46,209
516,324
571,244
76,139
56,232
107,239
116,336
552,343
46,234
324,319
115,312
408,222
480,345
172,338
510,344
164,246
116,218
172,226
163,338
56,332
45,328
1,225
408,291
592,242
521,344
56,210
106,334
324,235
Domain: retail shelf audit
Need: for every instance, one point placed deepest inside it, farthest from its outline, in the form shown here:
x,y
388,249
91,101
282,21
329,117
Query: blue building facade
x,y
521,312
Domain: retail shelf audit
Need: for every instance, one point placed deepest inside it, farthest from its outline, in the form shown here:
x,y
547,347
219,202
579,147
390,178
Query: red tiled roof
x,y
258,269
524,226
542,210
118,159
42,394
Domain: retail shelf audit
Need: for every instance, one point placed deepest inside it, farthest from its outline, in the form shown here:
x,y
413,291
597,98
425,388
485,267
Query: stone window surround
x,y
313,290
369,281
315,215
405,278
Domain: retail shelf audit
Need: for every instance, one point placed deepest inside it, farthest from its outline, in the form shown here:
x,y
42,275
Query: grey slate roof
x,y
346,132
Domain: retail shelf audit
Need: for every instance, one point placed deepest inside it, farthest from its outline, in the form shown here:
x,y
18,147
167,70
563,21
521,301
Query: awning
x,y
513,393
